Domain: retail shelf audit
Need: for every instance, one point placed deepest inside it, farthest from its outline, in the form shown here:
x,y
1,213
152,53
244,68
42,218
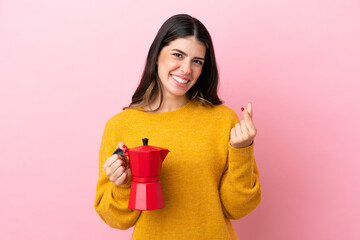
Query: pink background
x,y
67,66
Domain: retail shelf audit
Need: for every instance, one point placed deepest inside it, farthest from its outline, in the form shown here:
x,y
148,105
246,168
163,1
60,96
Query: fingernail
x,y
242,109
124,146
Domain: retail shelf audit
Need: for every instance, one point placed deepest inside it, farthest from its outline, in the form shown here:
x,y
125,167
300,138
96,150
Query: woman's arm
x,y
240,189
111,201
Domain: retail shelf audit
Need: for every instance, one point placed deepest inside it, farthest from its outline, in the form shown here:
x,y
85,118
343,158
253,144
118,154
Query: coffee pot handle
x,y
121,152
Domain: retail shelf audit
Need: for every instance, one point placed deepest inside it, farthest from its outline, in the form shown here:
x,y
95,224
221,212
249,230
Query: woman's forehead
x,y
190,44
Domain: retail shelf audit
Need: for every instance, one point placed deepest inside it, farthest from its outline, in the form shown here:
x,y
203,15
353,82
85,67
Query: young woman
x,y
210,174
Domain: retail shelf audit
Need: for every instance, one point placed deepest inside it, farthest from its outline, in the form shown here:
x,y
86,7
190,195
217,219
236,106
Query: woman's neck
x,y
169,103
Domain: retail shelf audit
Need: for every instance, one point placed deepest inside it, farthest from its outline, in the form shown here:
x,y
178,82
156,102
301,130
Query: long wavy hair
x,y
205,88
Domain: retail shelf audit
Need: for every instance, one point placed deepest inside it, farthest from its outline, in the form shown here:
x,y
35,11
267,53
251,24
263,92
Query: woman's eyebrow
x,y
186,54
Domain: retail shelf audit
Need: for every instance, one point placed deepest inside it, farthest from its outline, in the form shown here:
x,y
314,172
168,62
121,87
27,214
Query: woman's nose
x,y
186,67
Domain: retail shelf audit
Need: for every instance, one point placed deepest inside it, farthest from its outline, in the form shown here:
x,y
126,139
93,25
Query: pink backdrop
x,y
67,66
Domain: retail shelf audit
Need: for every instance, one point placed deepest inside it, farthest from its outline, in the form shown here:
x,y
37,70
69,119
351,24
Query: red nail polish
x,y
242,109
124,146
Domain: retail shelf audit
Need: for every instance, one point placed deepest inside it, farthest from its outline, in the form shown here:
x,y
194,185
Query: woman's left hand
x,y
243,134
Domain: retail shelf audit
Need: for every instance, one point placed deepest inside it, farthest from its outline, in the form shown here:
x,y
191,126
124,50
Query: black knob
x,y
145,141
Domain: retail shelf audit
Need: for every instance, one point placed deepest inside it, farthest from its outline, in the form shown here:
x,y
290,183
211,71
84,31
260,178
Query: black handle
x,y
118,151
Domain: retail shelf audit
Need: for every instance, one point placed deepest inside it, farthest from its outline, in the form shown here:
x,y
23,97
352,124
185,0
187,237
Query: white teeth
x,y
180,80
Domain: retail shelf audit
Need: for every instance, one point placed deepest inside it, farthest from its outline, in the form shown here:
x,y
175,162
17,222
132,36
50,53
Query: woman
x,y
210,175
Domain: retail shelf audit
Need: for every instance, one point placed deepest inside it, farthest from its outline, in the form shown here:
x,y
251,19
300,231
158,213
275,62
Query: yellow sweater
x,y
205,181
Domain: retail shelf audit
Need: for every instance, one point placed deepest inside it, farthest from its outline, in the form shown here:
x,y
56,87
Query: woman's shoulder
x,y
121,117
222,110
225,109
228,113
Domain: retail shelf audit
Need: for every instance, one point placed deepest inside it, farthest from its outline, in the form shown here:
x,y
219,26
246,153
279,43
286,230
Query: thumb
x,y
250,109
123,149
122,146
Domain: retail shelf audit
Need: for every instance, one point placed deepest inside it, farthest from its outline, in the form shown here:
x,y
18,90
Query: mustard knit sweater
x,y
205,181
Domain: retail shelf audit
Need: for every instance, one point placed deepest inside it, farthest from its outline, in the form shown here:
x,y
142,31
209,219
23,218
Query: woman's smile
x,y
179,81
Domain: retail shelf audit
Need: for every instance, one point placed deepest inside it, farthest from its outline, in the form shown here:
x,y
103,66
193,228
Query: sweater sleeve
x,y
111,201
240,189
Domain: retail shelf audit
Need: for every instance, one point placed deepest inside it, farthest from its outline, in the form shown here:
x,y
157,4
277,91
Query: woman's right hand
x,y
116,167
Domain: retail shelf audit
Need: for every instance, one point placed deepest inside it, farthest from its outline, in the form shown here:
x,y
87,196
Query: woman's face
x,y
180,64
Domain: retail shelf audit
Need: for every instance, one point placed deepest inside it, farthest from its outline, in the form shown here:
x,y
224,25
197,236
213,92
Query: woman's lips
x,y
182,77
179,81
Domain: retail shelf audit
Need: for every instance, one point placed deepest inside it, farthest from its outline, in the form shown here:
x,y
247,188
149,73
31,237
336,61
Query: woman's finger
x,y
239,132
122,146
233,133
250,125
122,162
121,179
249,108
114,167
110,161
117,174
244,129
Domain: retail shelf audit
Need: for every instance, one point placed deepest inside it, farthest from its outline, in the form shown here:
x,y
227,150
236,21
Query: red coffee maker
x,y
145,165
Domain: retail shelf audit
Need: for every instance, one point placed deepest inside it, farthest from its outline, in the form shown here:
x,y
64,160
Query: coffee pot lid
x,y
145,147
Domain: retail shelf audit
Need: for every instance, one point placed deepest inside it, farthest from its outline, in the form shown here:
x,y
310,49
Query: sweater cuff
x,y
241,154
120,193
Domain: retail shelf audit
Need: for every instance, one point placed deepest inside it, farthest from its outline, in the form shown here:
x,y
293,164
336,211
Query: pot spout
x,y
164,153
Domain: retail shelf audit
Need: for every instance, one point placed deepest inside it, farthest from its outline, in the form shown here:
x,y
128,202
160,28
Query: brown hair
x,y
205,88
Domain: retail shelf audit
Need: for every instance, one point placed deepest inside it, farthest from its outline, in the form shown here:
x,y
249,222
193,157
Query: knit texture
x,y
205,181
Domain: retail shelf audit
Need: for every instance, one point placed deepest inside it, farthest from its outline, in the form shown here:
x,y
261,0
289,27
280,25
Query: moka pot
x,y
145,165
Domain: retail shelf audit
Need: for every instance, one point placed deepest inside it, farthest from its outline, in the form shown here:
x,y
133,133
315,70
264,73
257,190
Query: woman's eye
x,y
177,54
198,62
